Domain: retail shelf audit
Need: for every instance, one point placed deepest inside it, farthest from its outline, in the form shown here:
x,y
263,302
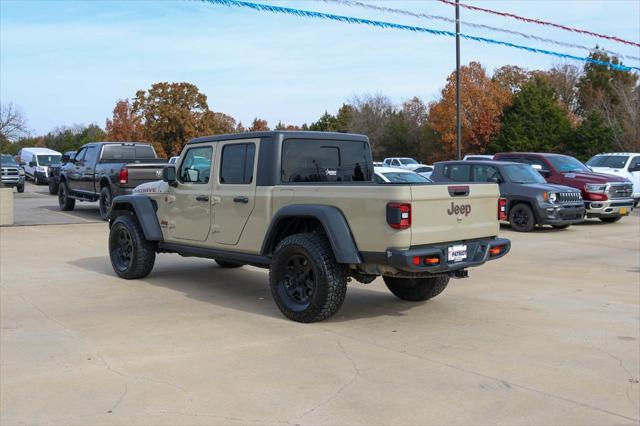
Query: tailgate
x,y
140,173
453,212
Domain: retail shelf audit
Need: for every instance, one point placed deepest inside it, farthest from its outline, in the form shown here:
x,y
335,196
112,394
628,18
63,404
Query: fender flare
x,y
145,211
333,221
532,202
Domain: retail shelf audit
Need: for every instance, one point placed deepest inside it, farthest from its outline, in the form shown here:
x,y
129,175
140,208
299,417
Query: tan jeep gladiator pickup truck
x,y
305,205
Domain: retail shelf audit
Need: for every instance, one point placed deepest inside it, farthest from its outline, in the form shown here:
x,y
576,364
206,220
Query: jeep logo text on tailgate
x,y
464,209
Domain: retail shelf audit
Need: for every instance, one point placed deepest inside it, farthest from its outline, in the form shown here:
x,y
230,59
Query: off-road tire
x,y
416,289
311,252
610,219
53,186
228,264
561,226
521,218
132,255
65,202
104,202
20,188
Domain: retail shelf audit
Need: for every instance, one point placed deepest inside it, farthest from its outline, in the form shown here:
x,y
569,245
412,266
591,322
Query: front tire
x,y
65,202
36,181
610,219
307,283
228,264
521,218
53,186
104,202
20,188
417,289
132,255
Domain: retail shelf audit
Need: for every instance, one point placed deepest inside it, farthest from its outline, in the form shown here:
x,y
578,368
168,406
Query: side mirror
x,y
169,175
32,164
634,167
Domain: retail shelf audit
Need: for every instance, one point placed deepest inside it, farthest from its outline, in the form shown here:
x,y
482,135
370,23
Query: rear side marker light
x,y
494,251
431,260
502,209
399,215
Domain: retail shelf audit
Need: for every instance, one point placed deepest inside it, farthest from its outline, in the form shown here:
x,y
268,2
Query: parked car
x,y
528,199
36,162
395,175
478,157
623,164
305,205
102,170
402,163
54,171
606,197
424,171
11,174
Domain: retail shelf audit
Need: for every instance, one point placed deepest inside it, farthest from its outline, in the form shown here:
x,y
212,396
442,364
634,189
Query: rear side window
x,y
458,172
482,173
313,160
128,152
237,164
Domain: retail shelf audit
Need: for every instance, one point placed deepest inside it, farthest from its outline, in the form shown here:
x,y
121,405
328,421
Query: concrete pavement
x,y
547,335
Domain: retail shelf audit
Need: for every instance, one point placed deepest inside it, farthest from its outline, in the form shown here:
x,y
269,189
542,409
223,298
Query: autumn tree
x,y
511,77
482,102
282,126
124,125
536,121
221,123
173,113
259,125
370,115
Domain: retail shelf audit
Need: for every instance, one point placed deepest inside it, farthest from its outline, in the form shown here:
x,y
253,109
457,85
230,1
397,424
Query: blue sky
x,y
68,62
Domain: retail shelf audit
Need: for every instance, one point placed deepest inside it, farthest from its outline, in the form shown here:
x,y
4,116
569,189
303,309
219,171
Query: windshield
x,y
48,160
522,173
408,161
610,161
399,177
8,160
564,164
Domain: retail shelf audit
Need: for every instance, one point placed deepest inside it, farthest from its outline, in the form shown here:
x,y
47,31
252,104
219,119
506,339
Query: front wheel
x,y
521,218
36,181
104,202
306,282
20,188
610,219
53,187
417,289
65,202
132,255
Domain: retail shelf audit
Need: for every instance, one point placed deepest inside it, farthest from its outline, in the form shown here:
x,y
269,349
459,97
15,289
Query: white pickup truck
x,y
623,164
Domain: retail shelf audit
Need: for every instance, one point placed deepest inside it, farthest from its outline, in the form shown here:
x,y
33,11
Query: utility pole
x,y
458,106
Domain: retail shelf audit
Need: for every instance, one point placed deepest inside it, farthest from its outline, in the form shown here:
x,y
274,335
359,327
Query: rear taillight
x,y
502,209
399,215
124,175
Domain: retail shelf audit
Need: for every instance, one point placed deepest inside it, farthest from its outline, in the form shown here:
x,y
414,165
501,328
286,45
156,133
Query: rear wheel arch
x,y
326,220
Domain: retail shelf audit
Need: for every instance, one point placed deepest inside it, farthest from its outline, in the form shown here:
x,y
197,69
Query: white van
x,y
36,162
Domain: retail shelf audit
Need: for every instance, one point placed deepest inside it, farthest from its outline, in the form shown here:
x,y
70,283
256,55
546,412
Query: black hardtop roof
x,y
284,134
482,162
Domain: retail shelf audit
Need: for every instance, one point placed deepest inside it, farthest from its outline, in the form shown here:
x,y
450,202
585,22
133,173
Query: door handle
x,y
202,198
241,199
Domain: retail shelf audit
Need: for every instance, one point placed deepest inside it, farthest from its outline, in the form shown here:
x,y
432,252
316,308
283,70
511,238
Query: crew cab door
x,y
235,189
189,202
75,170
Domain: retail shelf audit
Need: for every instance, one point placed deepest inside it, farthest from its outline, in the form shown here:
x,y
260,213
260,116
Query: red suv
x,y
606,197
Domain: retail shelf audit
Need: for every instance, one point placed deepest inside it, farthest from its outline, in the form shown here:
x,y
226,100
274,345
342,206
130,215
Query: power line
x,y
541,22
352,3
390,25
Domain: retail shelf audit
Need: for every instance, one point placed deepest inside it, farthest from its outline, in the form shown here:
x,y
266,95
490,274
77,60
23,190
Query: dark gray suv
x,y
529,199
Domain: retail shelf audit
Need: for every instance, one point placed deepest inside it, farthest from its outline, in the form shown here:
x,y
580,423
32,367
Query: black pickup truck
x,y
100,171
527,199
54,172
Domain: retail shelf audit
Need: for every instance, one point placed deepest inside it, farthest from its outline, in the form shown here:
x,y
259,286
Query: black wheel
x,y
132,255
610,219
20,188
65,202
416,289
53,187
36,181
561,226
521,218
306,282
228,264
104,202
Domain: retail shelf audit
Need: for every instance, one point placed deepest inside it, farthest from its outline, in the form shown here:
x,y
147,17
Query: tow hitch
x,y
460,273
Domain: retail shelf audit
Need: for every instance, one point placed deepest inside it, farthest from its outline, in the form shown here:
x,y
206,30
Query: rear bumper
x,y
478,252
609,208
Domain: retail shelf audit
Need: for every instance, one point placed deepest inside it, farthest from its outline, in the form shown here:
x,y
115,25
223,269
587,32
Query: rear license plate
x,y
623,211
457,253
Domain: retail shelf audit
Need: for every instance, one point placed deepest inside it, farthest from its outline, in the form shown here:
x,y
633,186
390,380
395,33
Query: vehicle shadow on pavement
x,y
536,230
247,289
